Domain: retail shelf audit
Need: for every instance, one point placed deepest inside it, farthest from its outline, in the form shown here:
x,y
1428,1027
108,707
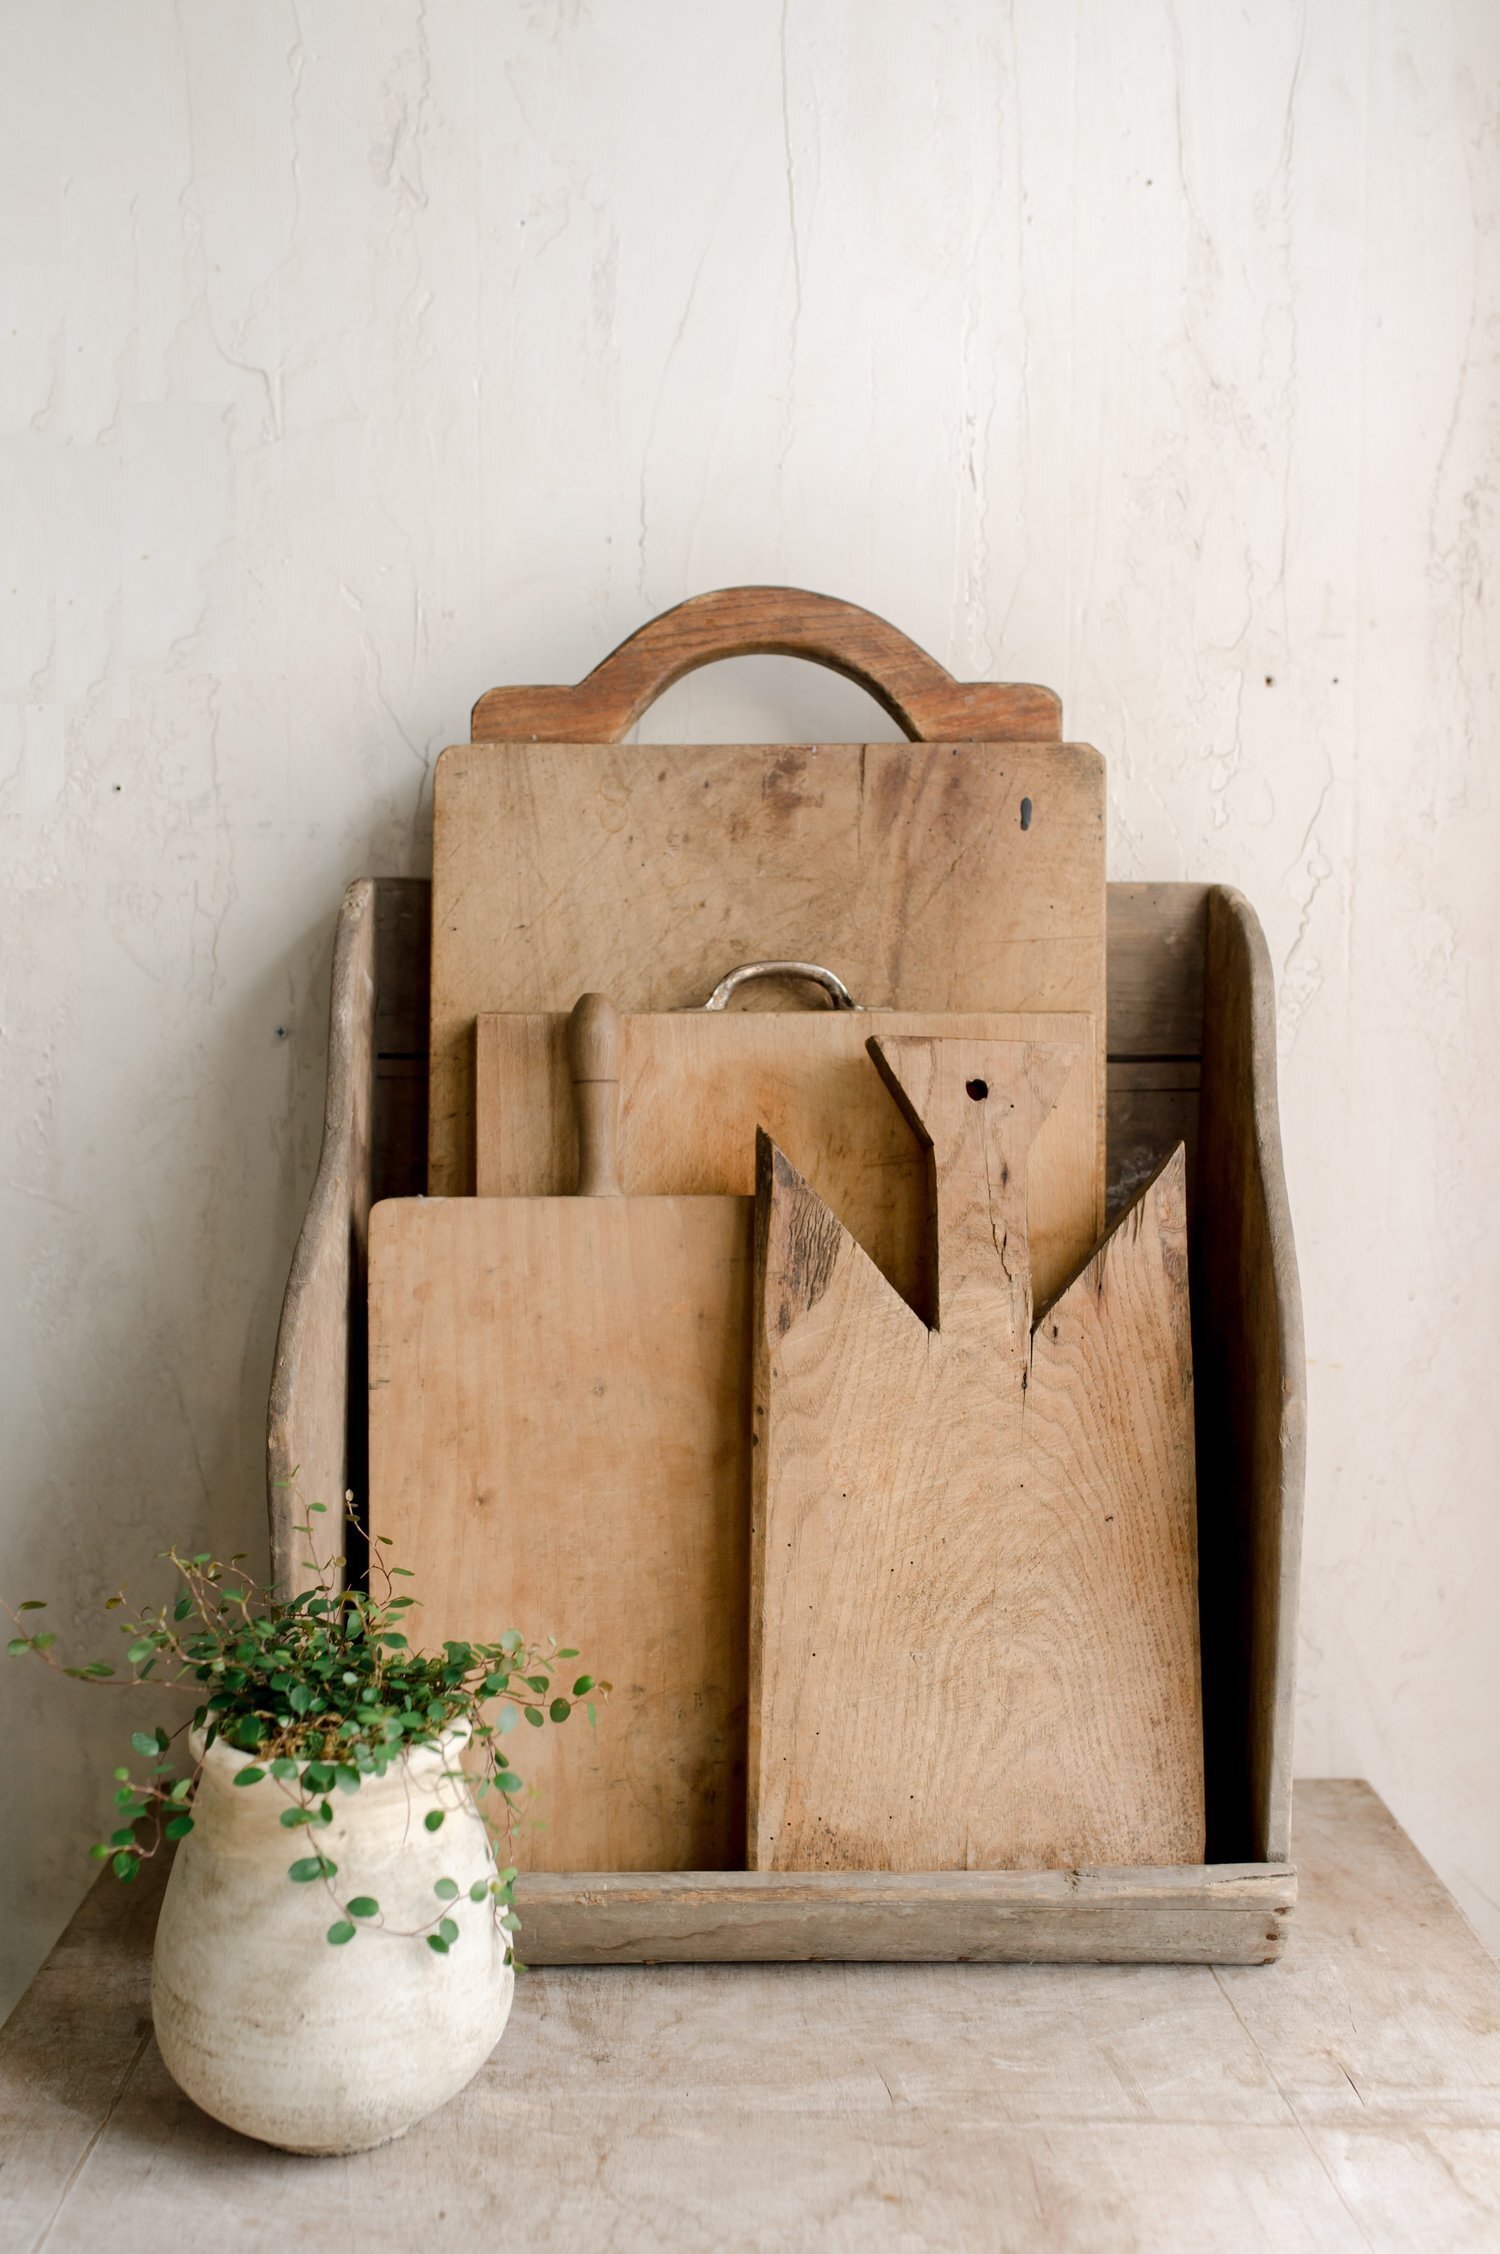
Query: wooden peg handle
x,y
594,1044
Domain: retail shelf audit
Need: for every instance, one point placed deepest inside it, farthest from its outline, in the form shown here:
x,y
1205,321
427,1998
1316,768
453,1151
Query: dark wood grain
x,y
918,693
1252,1398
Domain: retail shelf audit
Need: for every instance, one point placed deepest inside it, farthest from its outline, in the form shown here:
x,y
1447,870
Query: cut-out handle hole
x,y
976,1090
1026,813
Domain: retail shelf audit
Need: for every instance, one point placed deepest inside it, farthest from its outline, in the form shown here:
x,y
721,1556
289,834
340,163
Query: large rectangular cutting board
x,y
558,1419
930,876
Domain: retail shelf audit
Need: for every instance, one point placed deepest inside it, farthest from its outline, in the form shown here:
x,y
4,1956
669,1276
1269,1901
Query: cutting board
x,y
962,871
558,1409
974,1631
696,1084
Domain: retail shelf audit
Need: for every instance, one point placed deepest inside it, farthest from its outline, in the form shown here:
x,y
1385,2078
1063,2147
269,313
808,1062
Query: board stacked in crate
x,y
793,1342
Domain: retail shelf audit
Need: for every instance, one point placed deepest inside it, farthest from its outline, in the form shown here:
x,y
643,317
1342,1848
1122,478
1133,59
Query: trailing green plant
x,y
324,1690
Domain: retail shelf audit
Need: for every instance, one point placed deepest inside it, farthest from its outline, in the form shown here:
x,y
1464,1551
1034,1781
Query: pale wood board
x,y
557,1415
974,1631
1344,2099
646,873
696,1085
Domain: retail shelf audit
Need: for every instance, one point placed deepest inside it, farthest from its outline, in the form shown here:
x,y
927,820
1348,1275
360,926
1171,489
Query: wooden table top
x,y
1345,2097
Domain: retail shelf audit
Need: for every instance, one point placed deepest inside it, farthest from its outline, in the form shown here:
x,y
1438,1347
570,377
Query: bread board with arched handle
x,y
961,870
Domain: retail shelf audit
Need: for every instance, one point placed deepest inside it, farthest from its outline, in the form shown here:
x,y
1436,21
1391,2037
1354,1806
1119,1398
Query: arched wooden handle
x,y
920,696
594,1044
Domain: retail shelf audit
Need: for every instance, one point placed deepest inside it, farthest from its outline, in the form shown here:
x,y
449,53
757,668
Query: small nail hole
x,y
976,1090
1026,813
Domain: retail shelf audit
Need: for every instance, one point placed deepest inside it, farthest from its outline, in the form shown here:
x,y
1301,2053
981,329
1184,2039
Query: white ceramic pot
x,y
287,2037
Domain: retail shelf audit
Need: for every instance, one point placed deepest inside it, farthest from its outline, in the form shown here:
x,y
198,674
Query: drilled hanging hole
x,y
1026,813
976,1090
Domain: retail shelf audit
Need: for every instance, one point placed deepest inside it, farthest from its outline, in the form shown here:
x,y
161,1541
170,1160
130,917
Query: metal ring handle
x,y
832,985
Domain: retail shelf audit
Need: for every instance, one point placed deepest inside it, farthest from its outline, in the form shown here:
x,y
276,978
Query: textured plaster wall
x,y
357,354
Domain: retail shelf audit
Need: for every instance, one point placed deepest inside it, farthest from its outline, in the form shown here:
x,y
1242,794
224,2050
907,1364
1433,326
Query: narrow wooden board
x,y
558,1404
933,877
696,1085
974,1635
1224,1913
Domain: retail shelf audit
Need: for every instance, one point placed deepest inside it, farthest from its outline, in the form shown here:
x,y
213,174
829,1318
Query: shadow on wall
x,y
147,1419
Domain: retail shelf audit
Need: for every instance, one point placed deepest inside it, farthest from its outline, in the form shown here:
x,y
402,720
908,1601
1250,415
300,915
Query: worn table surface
x,y
1346,2097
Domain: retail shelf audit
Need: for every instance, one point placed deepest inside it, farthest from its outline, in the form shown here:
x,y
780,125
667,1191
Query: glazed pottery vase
x,y
306,2044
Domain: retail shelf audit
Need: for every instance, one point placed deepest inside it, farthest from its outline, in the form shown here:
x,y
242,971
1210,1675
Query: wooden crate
x,y
1192,1056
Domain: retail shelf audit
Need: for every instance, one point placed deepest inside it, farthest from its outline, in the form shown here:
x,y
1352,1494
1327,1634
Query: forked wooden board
x,y
695,1085
557,1418
974,1635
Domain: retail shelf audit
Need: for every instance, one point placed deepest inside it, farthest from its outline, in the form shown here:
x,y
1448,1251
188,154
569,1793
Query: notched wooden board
x,y
974,1632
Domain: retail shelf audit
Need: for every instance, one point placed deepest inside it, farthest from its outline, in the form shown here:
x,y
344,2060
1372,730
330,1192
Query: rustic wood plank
x,y
1211,1914
974,1634
1252,1398
1157,935
697,1084
1346,2097
557,1411
647,873
308,1440
918,693
1146,1124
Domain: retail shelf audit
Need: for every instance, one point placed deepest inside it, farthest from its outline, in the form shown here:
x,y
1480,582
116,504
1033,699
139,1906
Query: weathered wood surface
x,y
558,1402
697,1084
1221,1913
1156,946
1344,2099
308,1438
973,1610
920,695
1247,1333
374,1145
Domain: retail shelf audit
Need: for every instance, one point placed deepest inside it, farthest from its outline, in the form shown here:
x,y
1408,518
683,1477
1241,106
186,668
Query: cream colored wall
x,y
359,354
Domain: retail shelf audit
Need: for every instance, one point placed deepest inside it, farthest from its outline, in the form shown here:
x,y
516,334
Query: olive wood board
x,y
696,1084
974,1626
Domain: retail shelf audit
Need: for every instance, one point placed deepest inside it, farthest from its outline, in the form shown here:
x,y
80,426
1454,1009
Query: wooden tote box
x,y
1190,1042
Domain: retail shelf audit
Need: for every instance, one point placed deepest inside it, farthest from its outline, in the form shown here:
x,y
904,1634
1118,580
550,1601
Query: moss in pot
x,y
319,1801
